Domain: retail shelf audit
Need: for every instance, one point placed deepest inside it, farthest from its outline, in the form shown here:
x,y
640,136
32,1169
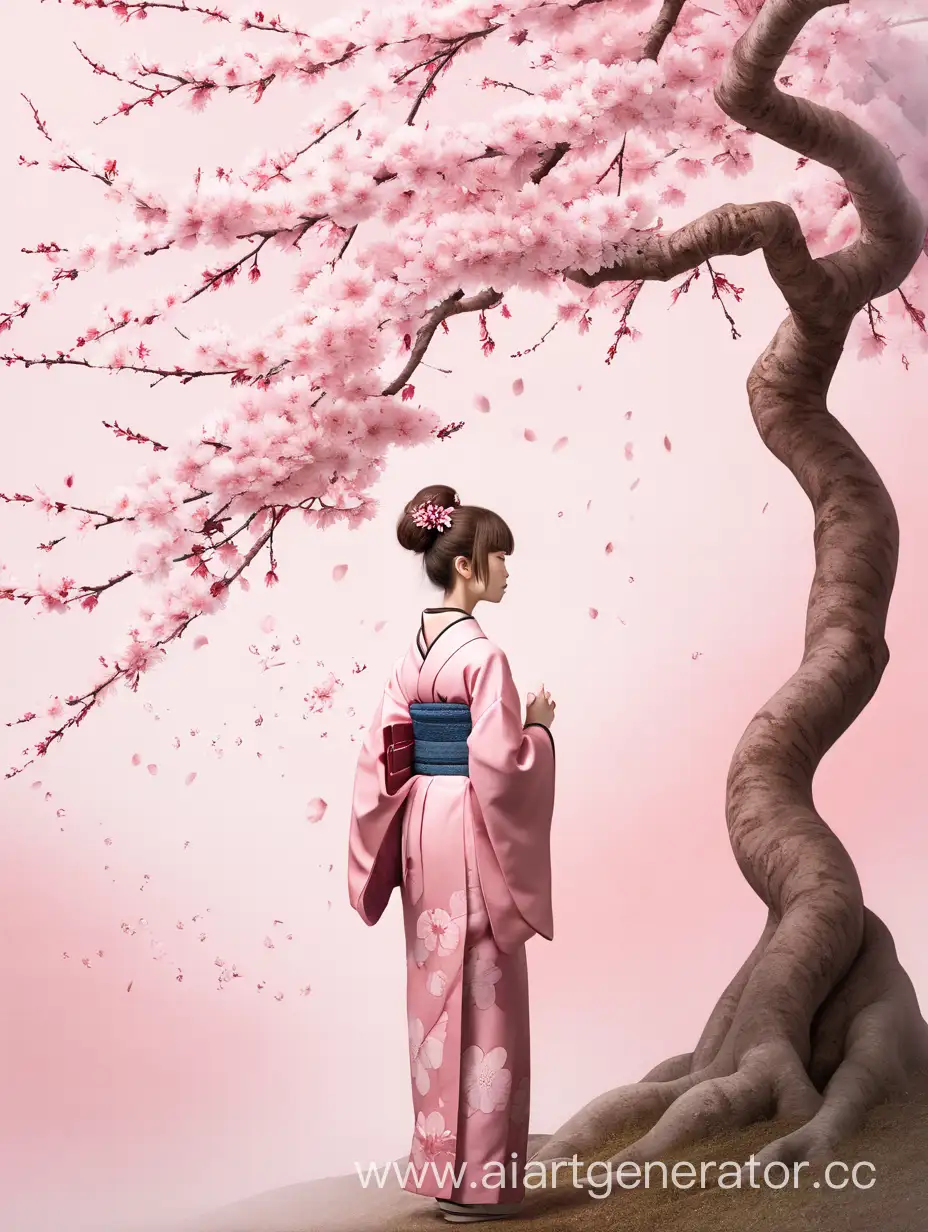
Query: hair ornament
x,y
432,516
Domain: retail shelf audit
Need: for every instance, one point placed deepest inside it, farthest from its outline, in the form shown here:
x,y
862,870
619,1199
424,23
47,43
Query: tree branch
x,y
549,161
892,224
450,307
728,230
130,8
184,375
660,31
444,58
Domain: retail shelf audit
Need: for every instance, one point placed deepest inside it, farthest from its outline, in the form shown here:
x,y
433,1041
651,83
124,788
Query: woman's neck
x,y
464,602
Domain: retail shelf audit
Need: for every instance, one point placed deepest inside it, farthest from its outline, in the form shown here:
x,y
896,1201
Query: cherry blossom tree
x,y
613,108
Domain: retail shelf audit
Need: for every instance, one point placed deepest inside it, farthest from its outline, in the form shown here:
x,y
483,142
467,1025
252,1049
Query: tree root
x,y
868,1042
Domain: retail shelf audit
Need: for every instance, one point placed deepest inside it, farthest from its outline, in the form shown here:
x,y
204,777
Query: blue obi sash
x,y
440,731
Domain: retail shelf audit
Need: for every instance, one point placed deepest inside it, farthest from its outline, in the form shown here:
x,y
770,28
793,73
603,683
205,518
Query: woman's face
x,y
495,586
498,577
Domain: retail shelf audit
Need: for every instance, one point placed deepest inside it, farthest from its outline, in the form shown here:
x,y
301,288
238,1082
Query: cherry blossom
x,y
432,1140
436,983
315,810
457,905
481,975
438,932
485,1081
396,224
426,1049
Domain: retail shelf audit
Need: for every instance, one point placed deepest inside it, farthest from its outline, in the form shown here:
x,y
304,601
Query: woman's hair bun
x,y
420,538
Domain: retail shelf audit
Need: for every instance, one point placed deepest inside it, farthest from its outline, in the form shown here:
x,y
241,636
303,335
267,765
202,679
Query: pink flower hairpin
x,y
432,516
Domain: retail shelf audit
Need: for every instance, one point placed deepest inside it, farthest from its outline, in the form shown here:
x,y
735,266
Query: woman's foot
x,y
477,1212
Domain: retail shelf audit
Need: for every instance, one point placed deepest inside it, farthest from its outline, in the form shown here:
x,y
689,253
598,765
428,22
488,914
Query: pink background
x,y
179,1095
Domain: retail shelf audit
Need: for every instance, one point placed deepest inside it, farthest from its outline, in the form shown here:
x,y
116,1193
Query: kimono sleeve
x,y
375,835
512,775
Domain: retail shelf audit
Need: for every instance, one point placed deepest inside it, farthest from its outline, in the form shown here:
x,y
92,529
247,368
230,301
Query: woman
x,y
465,831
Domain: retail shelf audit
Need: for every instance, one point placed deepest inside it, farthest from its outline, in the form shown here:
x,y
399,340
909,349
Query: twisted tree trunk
x,y
821,1022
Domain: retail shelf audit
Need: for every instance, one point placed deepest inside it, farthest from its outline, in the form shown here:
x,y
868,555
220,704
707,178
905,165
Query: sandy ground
x,y
894,1140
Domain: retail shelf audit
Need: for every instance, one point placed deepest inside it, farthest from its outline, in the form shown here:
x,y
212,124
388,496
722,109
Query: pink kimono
x,y
472,855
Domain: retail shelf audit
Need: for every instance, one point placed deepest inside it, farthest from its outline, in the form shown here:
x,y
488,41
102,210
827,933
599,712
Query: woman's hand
x,y
539,707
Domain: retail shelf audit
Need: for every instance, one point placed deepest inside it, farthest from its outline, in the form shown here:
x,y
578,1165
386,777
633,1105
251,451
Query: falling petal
x,y
529,435
667,443
267,624
190,777
200,642
315,810
518,386
136,759
559,444
632,486
61,813
609,548
379,625
482,403
628,414
37,783
593,613
152,769
339,572
629,451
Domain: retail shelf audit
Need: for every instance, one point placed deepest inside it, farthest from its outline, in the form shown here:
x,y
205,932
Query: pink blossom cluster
x,y
590,143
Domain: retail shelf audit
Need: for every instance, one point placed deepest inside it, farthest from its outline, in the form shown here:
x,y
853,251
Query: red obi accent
x,y
399,755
